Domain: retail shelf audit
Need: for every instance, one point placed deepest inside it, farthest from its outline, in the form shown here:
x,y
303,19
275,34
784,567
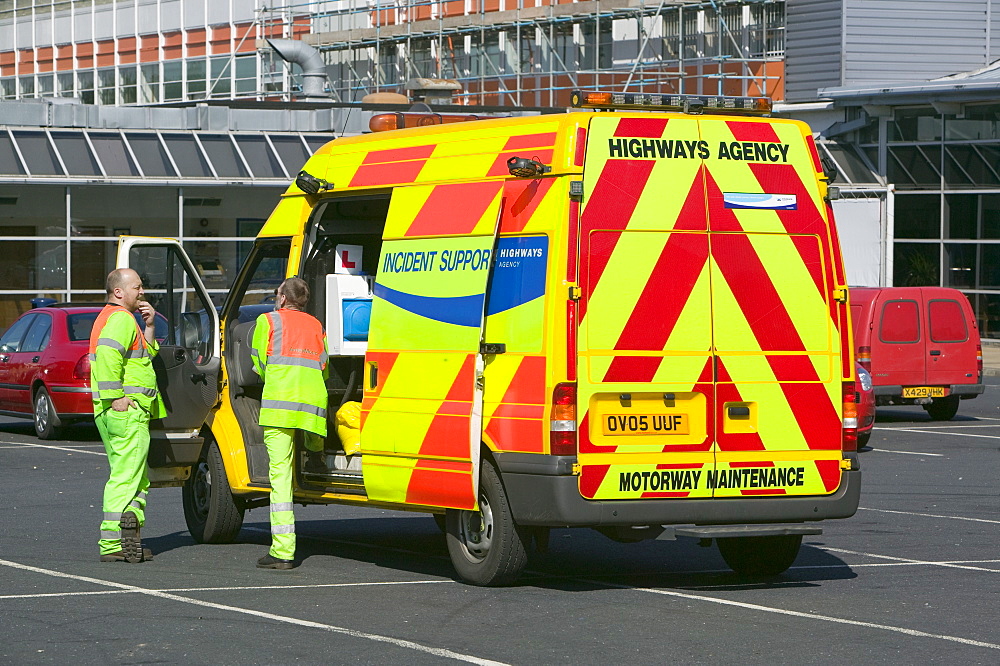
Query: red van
x,y
921,346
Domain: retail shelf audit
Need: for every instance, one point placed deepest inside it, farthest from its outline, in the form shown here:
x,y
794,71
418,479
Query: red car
x,y
866,406
45,366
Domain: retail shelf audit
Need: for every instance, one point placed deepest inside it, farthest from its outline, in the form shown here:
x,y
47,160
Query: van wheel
x,y
760,555
943,409
441,521
47,422
210,510
487,547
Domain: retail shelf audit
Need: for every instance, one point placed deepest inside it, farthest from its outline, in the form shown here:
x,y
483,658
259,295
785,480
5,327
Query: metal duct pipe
x,y
308,58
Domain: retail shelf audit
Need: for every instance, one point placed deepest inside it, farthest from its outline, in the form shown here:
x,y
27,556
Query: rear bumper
x,y
72,402
966,391
542,492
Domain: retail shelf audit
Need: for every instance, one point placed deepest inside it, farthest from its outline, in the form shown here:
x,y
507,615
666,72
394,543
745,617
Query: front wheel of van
x,y
760,555
210,510
487,547
943,409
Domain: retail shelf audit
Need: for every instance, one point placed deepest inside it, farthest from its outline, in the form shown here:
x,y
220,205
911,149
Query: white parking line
x,y
933,515
398,642
938,427
908,560
58,448
909,453
808,616
41,595
938,432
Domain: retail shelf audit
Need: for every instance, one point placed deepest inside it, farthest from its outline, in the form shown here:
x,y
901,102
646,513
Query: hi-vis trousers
x,y
126,441
280,447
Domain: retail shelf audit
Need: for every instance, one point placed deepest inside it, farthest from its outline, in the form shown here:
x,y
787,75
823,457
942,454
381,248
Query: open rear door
x,y
187,367
421,427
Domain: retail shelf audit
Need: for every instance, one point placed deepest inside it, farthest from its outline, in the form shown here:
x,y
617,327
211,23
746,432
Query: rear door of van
x,y
952,337
710,364
897,339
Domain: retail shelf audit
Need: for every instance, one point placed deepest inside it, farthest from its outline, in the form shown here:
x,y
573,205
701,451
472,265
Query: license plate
x,y
646,424
923,392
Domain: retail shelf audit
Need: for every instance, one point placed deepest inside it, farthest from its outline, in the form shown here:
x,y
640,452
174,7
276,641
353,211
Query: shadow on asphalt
x,y
77,432
577,559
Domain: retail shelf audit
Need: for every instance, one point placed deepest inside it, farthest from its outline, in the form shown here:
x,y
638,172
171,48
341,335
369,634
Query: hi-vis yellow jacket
x,y
289,353
121,362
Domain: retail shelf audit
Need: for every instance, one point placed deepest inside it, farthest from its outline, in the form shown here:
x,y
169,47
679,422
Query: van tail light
x,y
865,358
82,368
562,420
850,442
979,360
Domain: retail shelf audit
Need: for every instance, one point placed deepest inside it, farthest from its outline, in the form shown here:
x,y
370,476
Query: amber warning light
x,y
582,99
393,121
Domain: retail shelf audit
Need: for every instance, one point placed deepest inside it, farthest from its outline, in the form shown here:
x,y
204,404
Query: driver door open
x,y
187,366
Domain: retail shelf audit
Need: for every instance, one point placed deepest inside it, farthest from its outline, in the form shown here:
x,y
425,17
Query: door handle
x,y
492,348
34,359
4,358
738,412
935,352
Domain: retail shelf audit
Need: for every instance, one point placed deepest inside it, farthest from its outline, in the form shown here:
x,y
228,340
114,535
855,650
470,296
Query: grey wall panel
x,y
913,40
813,38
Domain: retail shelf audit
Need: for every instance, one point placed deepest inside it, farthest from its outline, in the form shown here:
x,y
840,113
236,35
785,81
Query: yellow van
x,y
631,317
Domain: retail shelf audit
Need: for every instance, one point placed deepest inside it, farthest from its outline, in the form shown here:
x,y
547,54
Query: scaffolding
x,y
513,52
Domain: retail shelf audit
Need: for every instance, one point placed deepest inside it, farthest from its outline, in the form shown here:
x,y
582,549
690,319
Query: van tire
x,y
943,409
487,547
760,555
210,510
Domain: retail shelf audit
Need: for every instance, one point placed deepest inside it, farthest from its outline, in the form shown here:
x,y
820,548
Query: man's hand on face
x,y
148,313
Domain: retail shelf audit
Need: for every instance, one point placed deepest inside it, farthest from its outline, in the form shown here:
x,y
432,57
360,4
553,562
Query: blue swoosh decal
x,y
457,310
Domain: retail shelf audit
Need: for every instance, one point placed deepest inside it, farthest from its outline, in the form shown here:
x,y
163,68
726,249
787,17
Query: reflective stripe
x,y
91,357
108,534
275,319
141,352
111,342
282,529
323,358
142,495
294,360
281,506
109,515
253,352
135,503
109,386
293,406
141,389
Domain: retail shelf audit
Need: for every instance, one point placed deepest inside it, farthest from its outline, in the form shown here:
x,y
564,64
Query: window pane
x,y
960,212
293,154
972,166
317,142
10,341
979,122
851,165
988,315
151,155
92,260
76,154
38,335
114,157
916,265
899,322
914,165
31,264
991,215
10,165
918,216
915,125
38,154
258,154
960,265
947,321
187,156
989,267
223,155
36,211
78,326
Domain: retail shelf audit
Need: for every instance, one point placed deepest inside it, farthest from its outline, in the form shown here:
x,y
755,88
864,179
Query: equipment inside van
x,y
921,346
630,317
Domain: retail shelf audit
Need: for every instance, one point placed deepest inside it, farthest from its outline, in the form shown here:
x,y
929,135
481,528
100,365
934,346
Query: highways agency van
x,y
632,319
921,346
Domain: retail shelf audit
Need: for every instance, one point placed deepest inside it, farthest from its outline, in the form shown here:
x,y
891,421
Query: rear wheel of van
x,y
210,510
760,555
943,409
487,547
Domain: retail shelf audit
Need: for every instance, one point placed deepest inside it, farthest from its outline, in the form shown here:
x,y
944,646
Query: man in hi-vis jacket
x,y
125,397
289,353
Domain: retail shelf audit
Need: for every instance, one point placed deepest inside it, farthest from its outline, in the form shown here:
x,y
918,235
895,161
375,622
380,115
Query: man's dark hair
x,y
296,291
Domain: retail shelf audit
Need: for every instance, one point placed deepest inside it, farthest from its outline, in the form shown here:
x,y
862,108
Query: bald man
x,y
125,398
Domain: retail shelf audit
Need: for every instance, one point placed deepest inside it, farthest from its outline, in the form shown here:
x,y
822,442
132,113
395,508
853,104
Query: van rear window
x,y
947,321
900,322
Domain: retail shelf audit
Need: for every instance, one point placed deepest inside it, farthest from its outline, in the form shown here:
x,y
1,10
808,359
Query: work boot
x,y
271,562
116,556
131,544
315,462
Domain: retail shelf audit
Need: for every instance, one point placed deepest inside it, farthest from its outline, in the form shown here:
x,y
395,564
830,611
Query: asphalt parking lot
x,y
912,578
